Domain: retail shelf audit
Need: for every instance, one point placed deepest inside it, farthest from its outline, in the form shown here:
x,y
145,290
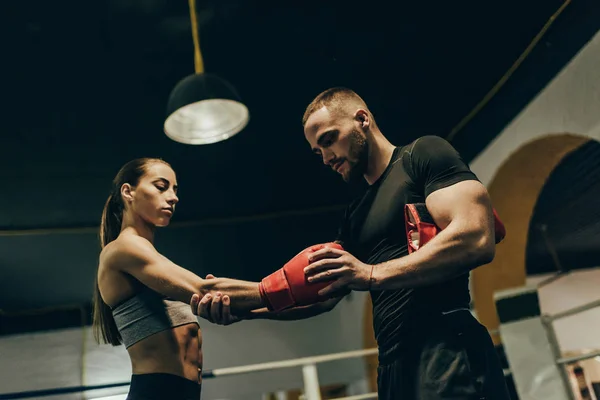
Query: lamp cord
x,y
508,73
198,63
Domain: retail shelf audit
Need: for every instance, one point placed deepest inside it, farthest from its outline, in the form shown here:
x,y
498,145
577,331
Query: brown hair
x,y
104,327
334,99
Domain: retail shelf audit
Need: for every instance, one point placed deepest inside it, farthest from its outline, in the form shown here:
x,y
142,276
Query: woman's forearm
x,y
244,295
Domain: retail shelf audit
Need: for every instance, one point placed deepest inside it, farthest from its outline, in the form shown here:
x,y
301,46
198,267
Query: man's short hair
x,y
334,99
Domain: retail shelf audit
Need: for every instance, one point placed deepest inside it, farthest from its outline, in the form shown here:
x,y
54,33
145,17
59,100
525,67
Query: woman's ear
x,y
127,192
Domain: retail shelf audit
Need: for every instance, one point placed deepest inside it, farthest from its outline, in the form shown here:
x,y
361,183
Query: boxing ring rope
x,y
548,319
309,374
309,366
562,362
582,357
574,310
297,362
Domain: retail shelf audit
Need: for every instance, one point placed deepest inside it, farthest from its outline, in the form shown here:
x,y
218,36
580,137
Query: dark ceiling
x,y
86,91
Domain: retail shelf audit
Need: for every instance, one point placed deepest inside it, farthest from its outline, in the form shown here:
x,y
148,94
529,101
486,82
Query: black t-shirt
x,y
373,230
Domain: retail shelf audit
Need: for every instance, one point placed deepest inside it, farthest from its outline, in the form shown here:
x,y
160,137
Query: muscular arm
x,y
137,257
464,213
459,205
296,313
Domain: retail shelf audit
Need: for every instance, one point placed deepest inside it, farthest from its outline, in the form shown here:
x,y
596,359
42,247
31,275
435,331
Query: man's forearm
x,y
446,256
244,295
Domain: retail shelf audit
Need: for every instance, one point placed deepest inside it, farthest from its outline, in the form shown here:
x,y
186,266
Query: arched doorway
x,y
514,190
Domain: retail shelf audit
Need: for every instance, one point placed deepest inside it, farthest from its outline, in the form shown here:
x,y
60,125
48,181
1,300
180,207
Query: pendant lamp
x,y
203,108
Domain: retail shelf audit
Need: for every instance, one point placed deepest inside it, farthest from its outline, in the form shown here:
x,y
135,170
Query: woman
x,y
141,298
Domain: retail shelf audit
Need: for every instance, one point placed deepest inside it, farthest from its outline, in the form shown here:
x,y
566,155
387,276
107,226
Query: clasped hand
x,y
213,308
344,270
339,266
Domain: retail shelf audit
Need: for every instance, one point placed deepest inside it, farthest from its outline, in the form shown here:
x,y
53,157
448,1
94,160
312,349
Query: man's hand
x,y
347,270
213,309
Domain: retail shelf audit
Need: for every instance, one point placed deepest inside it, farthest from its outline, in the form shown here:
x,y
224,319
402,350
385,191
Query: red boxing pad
x,y
499,228
289,287
421,228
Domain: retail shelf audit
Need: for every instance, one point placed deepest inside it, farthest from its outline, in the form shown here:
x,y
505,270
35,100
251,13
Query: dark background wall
x,y
86,89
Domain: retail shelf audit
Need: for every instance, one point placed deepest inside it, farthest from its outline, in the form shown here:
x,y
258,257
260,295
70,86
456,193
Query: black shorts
x,y
455,360
163,386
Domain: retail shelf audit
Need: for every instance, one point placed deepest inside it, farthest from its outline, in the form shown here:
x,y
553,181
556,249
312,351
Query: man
x,y
430,346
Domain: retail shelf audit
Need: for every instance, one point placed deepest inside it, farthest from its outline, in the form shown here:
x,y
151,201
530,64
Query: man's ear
x,y
127,192
362,116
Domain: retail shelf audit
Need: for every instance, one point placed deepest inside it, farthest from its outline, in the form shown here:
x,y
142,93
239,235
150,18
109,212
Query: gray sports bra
x,y
147,313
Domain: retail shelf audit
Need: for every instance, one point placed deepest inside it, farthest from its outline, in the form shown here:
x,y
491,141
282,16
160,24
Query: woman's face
x,y
155,195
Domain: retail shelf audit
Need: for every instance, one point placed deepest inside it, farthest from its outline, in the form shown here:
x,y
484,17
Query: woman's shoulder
x,y
125,249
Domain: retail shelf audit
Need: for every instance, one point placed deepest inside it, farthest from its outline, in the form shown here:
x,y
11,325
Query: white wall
x,y
54,359
569,104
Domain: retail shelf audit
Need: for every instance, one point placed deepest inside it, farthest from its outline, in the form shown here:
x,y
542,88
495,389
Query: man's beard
x,y
358,157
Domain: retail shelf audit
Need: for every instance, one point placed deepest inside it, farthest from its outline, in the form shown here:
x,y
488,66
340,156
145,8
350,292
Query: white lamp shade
x,y
204,109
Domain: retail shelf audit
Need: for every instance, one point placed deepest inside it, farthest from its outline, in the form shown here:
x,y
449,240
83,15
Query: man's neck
x,y
380,155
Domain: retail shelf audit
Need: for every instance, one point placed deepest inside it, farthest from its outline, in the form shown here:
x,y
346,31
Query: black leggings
x,y
456,360
163,387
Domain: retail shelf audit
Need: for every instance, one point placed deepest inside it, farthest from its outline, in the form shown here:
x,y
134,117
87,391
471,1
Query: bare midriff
x,y
176,351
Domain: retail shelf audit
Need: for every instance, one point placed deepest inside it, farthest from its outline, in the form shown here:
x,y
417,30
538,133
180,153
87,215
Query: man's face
x,y
340,141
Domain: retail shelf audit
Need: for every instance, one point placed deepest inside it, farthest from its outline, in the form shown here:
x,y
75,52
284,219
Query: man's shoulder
x,y
427,144
430,151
